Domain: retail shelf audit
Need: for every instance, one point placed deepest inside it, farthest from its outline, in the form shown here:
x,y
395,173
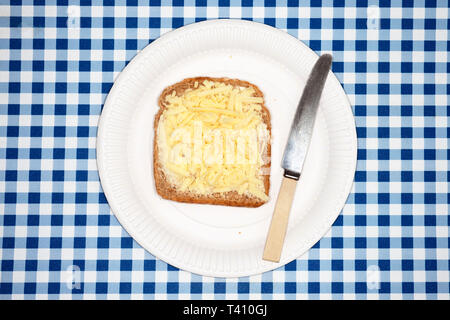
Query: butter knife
x,y
294,156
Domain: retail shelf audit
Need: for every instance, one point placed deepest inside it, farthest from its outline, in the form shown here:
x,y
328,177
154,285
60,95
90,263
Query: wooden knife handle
x,y
278,225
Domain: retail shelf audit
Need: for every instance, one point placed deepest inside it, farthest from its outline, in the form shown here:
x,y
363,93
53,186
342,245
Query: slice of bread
x,y
167,185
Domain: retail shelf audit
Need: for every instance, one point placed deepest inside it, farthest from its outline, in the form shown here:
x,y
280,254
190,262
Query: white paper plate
x,y
218,240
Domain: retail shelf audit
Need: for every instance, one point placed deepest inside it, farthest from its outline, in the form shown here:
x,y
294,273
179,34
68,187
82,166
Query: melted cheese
x,y
213,138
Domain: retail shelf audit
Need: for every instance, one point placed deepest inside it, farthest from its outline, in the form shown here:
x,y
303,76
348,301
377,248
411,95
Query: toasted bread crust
x,y
232,198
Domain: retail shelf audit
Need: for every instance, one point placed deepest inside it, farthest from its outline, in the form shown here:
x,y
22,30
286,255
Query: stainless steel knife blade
x,y
303,123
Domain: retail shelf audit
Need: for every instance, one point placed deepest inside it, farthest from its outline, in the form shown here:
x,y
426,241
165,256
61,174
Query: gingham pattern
x,y
57,64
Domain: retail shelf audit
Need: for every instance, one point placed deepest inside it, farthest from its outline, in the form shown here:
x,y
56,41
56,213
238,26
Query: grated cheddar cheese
x,y
212,138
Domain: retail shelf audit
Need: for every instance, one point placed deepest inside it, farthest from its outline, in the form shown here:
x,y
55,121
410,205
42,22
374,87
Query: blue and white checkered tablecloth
x,y
58,236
